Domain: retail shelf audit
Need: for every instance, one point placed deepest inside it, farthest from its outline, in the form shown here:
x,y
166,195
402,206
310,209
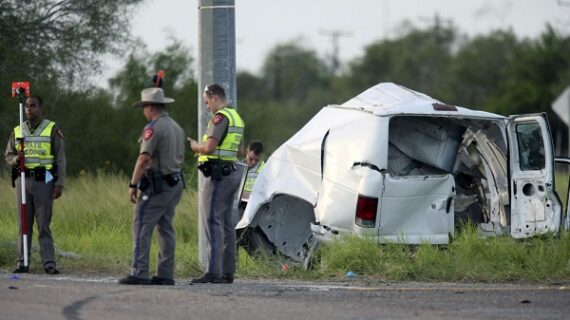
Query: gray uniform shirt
x,y
163,140
218,127
58,149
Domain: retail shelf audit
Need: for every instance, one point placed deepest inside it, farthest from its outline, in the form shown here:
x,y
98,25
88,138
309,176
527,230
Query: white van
x,y
400,166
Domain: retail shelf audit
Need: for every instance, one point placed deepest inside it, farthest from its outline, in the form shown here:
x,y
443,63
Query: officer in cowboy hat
x,y
157,174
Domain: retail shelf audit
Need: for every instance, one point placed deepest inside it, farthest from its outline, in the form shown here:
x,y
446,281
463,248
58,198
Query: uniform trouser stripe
x,y
139,232
213,228
155,211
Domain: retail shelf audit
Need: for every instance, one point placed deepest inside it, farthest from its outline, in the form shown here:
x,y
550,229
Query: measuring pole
x,y
217,64
21,90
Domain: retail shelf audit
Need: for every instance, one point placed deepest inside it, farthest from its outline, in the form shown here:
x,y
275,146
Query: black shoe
x,y
51,270
228,278
134,280
207,278
161,281
22,269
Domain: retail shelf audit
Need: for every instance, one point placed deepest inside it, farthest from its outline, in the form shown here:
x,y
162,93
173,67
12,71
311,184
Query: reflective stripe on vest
x,y
226,149
252,176
37,146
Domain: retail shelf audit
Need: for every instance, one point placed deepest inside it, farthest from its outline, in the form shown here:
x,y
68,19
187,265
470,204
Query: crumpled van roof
x,y
387,99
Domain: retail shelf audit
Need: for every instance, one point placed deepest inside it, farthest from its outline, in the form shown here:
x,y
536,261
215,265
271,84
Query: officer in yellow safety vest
x,y
221,180
253,159
44,155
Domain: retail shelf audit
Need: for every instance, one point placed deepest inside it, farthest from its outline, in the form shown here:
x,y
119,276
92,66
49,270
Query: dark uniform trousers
x,y
218,221
155,210
39,203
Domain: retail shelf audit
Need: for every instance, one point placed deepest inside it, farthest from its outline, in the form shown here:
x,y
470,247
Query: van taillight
x,y
366,208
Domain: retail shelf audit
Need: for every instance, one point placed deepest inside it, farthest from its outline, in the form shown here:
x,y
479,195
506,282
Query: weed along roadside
x,y
93,221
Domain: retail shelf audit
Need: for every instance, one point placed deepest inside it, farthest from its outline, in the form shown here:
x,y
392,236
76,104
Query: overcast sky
x,y
261,24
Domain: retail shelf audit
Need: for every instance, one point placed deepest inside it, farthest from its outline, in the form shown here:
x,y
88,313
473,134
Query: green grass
x,y
468,258
93,220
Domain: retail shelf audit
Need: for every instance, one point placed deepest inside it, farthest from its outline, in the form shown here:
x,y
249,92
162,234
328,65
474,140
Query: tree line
x,y
497,72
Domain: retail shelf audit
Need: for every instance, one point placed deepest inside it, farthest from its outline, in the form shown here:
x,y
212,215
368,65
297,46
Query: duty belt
x,y
217,168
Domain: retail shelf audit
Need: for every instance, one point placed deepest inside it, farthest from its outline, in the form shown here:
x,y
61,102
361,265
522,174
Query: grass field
x,y
93,221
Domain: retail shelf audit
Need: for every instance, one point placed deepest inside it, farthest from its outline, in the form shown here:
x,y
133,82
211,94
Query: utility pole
x,y
217,63
335,36
439,26
386,18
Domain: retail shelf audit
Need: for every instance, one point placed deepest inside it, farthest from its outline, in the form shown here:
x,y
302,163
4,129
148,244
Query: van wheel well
x,y
282,226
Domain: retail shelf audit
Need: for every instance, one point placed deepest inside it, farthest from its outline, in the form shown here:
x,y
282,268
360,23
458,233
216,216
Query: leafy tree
x,y
179,83
55,44
290,71
541,73
417,60
48,38
293,86
480,67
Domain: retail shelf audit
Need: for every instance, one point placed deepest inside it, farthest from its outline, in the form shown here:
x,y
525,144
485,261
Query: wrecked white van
x,y
400,166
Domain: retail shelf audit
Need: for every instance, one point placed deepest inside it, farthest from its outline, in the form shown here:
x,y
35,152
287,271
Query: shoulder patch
x,y
217,118
148,133
59,133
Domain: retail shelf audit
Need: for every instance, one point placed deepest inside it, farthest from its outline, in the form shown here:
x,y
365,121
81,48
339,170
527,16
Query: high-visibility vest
x,y
37,146
252,174
226,149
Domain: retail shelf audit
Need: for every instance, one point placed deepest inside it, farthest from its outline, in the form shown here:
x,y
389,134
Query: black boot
x,y
207,278
228,278
134,280
22,269
161,281
51,270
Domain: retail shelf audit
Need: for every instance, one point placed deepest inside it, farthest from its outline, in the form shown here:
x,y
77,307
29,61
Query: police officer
x,y
217,162
157,173
253,160
45,174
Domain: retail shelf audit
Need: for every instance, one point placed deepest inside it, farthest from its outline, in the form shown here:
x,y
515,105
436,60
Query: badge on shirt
x,y
59,133
217,119
148,132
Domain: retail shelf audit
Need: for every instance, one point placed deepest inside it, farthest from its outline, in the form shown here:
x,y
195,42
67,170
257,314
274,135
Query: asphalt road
x,y
38,296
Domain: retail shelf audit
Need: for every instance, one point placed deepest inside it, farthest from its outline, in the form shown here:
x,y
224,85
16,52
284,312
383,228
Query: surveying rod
x,y
21,90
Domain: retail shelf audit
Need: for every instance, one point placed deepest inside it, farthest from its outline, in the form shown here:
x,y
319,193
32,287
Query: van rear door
x,y
535,209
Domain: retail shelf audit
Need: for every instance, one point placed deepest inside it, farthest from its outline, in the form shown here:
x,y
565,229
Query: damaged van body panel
x,y
536,208
398,166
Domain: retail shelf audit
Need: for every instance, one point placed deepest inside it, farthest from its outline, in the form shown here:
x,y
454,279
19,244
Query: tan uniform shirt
x,y
218,127
163,139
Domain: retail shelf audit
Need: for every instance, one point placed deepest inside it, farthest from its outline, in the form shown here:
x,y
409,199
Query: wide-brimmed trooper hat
x,y
152,95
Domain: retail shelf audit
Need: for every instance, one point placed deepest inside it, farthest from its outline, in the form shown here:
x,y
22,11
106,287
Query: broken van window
x,y
531,148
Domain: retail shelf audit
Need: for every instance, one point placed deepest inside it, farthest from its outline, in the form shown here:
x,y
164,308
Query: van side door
x,y
535,208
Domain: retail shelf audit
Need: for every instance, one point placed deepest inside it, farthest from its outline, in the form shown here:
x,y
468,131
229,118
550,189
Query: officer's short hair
x,y
38,98
215,89
256,146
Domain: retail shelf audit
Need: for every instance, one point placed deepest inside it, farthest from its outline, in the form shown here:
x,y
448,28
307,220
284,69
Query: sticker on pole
x,y
21,88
